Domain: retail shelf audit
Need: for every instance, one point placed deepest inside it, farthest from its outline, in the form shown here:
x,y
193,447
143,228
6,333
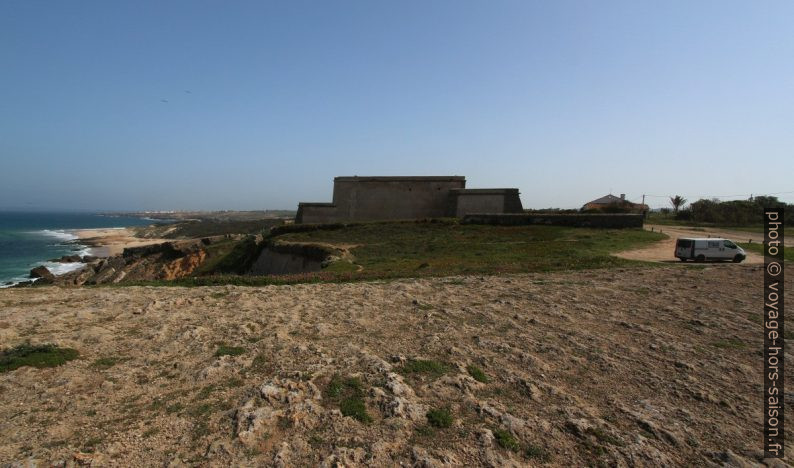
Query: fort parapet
x,y
380,198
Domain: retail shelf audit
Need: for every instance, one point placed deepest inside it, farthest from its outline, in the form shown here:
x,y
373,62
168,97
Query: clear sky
x,y
253,105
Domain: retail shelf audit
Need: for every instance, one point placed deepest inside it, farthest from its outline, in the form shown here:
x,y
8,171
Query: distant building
x,y
611,202
380,198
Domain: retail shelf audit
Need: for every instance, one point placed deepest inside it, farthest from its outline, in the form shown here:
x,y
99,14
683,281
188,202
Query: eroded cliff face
x,y
184,266
166,261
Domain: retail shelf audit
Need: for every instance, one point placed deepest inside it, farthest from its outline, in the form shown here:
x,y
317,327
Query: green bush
x,y
39,356
441,417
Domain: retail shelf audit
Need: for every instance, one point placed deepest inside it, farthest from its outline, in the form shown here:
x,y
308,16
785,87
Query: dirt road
x,y
662,251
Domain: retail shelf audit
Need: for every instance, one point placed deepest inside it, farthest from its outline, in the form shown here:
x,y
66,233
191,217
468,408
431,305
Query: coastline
x,y
108,242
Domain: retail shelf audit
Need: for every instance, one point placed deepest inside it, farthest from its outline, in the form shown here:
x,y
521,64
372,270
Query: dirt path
x,y
662,251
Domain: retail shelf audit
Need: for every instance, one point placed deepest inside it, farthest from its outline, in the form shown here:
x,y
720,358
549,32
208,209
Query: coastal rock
x,y
88,258
41,272
67,259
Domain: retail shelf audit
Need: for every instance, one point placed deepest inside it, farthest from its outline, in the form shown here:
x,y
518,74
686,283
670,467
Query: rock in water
x,y
41,272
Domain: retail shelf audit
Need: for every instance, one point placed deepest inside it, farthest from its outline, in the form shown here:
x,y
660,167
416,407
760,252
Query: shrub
x,y
505,439
224,350
39,356
477,374
439,417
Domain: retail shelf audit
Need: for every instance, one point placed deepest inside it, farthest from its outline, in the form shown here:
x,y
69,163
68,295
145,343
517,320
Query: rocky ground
x,y
634,367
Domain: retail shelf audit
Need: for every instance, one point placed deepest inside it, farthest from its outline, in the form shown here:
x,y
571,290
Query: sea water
x,y
30,239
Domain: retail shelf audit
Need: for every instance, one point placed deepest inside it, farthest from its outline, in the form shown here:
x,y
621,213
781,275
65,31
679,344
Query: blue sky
x,y
268,101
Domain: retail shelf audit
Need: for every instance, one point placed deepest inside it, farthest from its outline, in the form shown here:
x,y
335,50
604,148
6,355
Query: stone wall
x,y
381,198
618,221
395,198
500,200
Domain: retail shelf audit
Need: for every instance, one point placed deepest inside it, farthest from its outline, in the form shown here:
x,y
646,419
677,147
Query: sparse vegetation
x,y
429,367
506,440
729,344
348,393
224,350
440,417
105,362
477,374
537,452
39,356
442,247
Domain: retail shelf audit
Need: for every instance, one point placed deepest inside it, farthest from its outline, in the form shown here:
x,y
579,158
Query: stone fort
x,y
378,198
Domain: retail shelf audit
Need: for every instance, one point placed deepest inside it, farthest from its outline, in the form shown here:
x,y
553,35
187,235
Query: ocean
x,y
29,239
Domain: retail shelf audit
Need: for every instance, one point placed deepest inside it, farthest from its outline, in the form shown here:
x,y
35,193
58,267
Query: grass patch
x,y
452,248
729,344
442,248
39,356
348,393
477,374
106,362
429,367
441,417
224,350
788,254
175,408
506,440
537,452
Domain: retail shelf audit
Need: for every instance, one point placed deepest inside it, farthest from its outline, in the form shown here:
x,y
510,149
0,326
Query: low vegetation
x,y
428,367
788,253
39,356
208,228
384,250
477,374
348,393
506,440
224,350
441,417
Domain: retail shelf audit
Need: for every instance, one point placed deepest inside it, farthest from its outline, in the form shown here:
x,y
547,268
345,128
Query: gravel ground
x,y
629,367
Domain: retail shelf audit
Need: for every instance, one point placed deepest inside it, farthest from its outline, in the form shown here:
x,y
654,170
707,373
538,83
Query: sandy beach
x,y
623,367
106,242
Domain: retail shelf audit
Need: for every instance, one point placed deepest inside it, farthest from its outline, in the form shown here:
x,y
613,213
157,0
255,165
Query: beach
x,y
107,242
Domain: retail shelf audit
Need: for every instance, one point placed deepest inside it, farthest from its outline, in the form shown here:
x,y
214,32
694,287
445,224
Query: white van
x,y
711,248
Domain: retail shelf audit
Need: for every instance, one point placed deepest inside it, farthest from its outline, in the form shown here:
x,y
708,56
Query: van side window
x,y
730,244
714,244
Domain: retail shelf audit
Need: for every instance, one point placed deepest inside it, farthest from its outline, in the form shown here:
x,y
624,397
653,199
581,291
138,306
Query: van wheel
x,y
682,259
738,258
700,258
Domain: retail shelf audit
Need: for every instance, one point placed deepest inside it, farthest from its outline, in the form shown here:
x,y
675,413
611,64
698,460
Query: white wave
x,y
58,234
58,269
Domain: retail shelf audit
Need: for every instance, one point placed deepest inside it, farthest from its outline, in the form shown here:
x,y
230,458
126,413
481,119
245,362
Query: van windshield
x,y
684,243
730,244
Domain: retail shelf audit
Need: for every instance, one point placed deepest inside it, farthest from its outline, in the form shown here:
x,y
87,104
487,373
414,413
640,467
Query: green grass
x,y
224,350
537,452
429,367
788,253
729,344
39,356
348,393
441,417
208,228
387,250
400,249
477,374
506,440
106,362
